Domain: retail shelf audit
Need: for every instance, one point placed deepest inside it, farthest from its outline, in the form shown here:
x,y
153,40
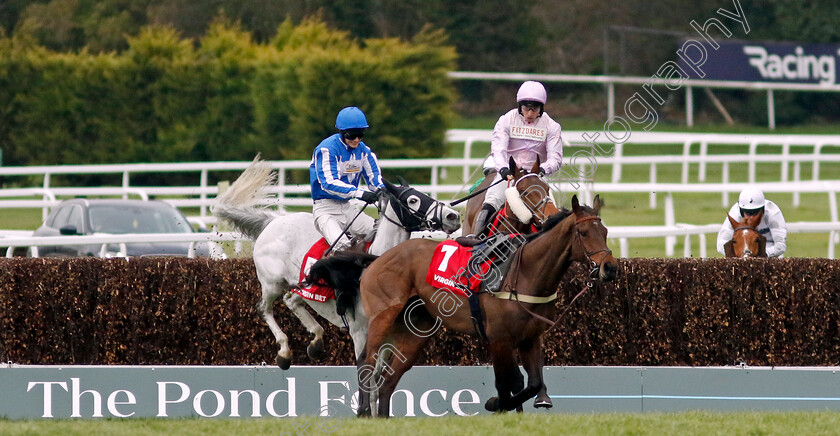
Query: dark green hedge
x,y
189,311
222,98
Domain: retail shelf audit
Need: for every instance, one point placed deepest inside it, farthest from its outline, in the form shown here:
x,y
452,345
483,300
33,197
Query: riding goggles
x,y
530,105
353,134
750,212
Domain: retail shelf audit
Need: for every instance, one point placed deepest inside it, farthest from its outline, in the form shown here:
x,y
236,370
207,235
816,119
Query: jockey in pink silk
x,y
524,133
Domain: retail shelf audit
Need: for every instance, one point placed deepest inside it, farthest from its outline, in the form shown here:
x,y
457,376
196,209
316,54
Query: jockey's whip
x,y
344,230
453,203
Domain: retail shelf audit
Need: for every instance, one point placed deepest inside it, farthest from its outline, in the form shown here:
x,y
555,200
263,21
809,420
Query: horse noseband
x,y
595,266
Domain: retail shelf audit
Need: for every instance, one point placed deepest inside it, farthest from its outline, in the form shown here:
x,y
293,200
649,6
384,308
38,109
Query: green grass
x,y
683,424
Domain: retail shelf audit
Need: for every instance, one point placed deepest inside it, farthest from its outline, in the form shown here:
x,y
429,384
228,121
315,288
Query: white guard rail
x,y
620,233
690,84
201,195
12,241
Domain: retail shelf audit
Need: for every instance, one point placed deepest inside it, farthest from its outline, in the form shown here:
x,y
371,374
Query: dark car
x,y
102,217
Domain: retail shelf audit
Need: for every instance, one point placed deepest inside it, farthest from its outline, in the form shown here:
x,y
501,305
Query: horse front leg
x,y
359,332
265,307
543,400
504,366
369,372
295,303
532,360
364,409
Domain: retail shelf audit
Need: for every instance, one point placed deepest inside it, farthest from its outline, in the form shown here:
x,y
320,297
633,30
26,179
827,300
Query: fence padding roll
x,y
188,311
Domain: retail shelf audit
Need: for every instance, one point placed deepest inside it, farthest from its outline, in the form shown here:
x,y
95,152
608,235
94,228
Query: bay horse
x,y
524,212
746,240
514,319
282,240
532,206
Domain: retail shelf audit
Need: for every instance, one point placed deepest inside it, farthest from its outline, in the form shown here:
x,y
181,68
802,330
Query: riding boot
x,y
483,219
339,246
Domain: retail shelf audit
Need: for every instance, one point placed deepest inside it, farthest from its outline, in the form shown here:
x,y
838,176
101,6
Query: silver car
x,y
104,216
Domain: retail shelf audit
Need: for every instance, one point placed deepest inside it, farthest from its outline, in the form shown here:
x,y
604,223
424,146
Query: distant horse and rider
x,y
754,227
282,242
746,240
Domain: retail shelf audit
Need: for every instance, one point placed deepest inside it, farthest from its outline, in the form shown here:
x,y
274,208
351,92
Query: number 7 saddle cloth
x,y
463,270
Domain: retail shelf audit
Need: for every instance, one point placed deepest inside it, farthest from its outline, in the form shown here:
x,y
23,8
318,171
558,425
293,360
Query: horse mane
x,y
551,222
341,271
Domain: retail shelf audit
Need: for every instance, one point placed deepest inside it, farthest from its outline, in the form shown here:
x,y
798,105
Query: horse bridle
x,y
752,229
539,206
595,266
412,220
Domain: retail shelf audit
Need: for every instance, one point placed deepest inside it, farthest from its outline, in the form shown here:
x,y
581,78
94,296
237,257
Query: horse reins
x,y
343,232
461,200
542,300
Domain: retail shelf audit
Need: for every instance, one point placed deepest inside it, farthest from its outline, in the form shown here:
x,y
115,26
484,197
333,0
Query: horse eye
x,y
584,233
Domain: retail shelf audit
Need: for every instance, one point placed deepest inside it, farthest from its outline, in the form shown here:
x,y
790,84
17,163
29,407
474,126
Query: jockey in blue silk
x,y
339,163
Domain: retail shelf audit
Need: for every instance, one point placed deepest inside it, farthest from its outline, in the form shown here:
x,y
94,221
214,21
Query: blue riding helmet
x,y
351,118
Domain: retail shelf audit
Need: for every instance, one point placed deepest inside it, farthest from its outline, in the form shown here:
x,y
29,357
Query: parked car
x,y
117,216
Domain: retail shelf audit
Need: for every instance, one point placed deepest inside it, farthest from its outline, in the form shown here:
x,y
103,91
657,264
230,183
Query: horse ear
x,y
597,204
402,181
735,224
575,204
388,185
536,168
512,165
757,220
729,248
762,246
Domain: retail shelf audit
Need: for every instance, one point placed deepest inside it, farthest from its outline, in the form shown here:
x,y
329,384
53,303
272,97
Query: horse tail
x,y
341,271
236,204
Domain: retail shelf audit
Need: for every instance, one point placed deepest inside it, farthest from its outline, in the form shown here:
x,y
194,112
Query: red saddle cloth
x,y
448,269
314,292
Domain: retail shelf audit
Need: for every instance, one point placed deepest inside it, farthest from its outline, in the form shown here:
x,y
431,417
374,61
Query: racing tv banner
x,y
759,61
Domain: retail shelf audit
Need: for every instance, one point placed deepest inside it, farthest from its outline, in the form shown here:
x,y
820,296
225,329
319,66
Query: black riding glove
x,y
369,197
542,172
504,172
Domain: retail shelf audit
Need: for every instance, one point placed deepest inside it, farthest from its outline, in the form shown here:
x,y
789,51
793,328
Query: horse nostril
x,y
609,271
452,216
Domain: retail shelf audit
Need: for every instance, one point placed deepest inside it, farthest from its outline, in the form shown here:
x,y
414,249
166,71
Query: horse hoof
x,y
315,349
283,362
543,403
492,405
